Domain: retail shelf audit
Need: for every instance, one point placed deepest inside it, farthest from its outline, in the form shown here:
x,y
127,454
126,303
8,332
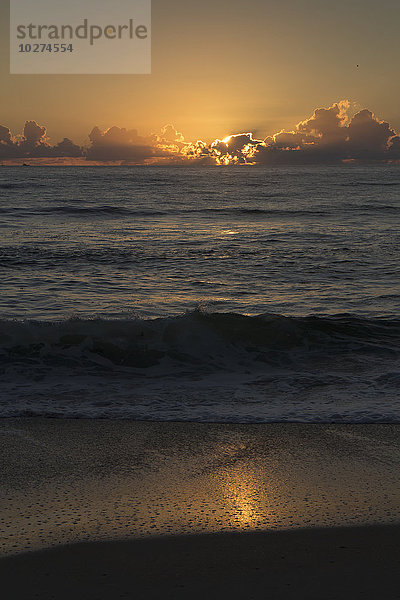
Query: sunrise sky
x,y
223,67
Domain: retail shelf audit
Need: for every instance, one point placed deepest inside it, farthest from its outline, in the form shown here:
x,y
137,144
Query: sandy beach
x,y
118,509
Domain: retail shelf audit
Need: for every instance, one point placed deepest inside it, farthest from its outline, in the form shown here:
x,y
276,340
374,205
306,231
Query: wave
x,y
13,186
100,210
197,334
27,185
261,211
115,211
82,211
371,183
110,210
203,367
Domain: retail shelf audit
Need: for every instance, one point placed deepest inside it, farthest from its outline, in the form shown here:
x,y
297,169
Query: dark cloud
x,y
368,137
394,147
116,144
33,133
32,143
5,135
115,136
136,154
327,126
67,148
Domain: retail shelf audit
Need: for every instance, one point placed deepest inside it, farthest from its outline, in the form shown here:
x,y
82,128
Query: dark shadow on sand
x,y
314,564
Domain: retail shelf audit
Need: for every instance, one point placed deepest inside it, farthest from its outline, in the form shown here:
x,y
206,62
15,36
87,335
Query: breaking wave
x,y
205,367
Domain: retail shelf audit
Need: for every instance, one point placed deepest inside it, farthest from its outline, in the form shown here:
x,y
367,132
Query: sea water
x,y
238,294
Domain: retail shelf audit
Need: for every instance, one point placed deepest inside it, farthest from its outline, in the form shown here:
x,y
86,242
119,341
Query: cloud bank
x,y
330,135
33,143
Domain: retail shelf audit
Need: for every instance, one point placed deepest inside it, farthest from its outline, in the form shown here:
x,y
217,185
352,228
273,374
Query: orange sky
x,y
222,67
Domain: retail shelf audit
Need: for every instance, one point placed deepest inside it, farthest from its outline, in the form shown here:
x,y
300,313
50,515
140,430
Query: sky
x,y
222,67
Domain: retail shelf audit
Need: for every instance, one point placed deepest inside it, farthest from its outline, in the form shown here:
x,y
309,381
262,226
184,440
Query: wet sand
x,y
165,510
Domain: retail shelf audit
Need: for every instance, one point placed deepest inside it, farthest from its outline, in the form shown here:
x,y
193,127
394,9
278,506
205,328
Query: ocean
x,y
222,294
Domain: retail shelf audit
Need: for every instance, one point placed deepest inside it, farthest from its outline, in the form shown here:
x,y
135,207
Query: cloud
x,y
394,146
115,136
170,135
33,133
119,144
329,135
368,137
67,148
32,143
116,144
5,135
327,126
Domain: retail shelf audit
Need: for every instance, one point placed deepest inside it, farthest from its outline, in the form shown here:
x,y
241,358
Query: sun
x,y
227,139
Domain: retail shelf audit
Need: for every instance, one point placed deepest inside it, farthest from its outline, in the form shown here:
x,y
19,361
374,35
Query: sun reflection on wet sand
x,y
244,498
116,480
